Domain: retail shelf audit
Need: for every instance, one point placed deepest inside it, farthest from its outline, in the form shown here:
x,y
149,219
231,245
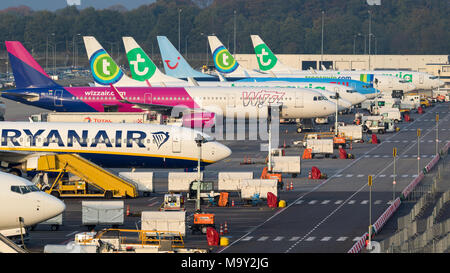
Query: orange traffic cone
x,y
284,144
245,159
225,230
249,160
232,203
309,175
292,186
287,187
128,210
351,146
286,131
221,229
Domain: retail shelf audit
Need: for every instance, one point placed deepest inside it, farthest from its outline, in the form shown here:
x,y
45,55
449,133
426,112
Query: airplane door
x,y
420,79
176,143
391,83
231,101
148,99
58,97
298,100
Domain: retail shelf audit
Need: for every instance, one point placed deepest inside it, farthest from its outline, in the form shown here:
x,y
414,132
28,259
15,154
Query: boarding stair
x,y
8,246
90,176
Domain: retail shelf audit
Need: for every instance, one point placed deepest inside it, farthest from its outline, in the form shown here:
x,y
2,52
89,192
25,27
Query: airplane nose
x,y
53,207
222,152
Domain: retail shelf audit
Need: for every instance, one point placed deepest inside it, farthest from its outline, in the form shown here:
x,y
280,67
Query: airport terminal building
x,y
438,65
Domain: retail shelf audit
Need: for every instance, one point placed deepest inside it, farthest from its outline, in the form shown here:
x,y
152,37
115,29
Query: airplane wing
x,y
27,96
15,157
162,109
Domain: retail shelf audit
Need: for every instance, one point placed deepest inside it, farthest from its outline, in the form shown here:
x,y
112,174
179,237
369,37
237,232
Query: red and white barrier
x,y
386,215
433,162
360,244
412,185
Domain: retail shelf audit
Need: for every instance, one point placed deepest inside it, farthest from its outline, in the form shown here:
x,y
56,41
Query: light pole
x,y
321,50
336,119
370,32
354,42
418,151
370,210
394,153
234,43
186,47
46,53
179,29
199,140
437,133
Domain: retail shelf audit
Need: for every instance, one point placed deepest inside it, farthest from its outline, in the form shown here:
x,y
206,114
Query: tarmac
x,y
321,216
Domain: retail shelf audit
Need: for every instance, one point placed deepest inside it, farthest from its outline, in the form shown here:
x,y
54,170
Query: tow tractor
x,y
202,221
173,201
206,191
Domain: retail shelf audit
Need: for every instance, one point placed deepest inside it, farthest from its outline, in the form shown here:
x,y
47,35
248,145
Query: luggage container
x,y
230,181
320,146
143,180
250,187
102,213
180,182
286,164
167,223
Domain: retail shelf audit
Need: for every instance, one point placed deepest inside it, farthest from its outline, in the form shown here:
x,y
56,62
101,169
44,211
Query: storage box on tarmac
x,y
230,181
320,146
102,212
351,132
168,222
180,181
286,164
250,187
143,180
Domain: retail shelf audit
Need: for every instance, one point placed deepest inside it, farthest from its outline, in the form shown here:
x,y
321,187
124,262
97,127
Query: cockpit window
x,y
433,77
315,98
24,189
350,91
403,81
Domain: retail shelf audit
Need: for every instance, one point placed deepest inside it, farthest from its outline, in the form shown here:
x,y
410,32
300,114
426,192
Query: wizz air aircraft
x,y
34,87
269,63
22,199
110,145
135,52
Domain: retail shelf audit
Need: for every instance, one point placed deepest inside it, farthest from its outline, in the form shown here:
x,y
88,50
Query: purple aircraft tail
x,y
27,72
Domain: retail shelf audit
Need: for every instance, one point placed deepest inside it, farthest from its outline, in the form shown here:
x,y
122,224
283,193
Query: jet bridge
x,y
90,179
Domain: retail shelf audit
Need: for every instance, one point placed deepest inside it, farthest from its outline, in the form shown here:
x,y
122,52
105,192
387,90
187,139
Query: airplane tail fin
x,y
267,61
223,60
104,69
27,72
174,63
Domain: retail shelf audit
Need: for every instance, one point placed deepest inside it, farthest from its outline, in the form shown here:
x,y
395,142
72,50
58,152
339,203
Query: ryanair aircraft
x,y
111,145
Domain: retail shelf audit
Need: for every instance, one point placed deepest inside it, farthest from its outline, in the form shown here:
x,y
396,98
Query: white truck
x,y
230,181
373,124
167,223
102,213
391,113
143,180
95,117
252,187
